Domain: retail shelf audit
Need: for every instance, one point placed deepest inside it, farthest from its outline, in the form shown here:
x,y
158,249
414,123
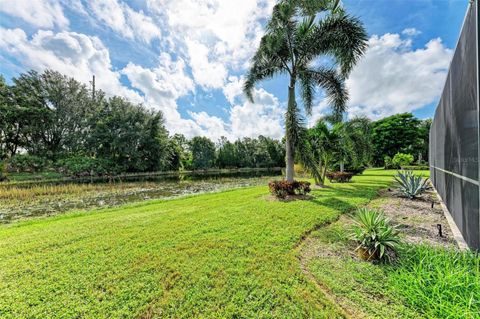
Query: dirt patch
x,y
419,220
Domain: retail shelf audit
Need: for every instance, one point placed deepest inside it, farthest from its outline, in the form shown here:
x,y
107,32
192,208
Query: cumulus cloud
x,y
218,35
43,14
393,77
264,117
124,20
161,87
74,54
233,88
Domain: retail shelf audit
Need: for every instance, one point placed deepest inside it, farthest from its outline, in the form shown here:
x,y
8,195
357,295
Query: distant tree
x,y
130,136
203,152
298,35
226,157
394,134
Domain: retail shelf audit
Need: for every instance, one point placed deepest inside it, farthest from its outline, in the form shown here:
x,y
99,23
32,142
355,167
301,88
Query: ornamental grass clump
x,y
411,185
377,239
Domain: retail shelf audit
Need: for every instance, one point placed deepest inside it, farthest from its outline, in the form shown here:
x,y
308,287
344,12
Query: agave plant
x,y
411,185
377,238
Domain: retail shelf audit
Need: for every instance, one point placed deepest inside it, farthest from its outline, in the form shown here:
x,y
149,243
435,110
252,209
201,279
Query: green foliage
x,y
281,189
82,166
299,35
374,234
411,185
401,159
130,136
388,163
203,152
399,133
3,171
344,145
439,283
27,163
248,152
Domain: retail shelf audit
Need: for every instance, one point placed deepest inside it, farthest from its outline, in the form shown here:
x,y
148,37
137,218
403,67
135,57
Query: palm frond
x,y
307,90
335,90
341,36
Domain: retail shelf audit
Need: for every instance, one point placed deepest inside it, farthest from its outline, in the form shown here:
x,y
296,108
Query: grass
x,y
426,282
230,254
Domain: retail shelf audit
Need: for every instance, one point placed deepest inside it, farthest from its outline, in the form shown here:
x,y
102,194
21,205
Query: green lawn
x,y
229,254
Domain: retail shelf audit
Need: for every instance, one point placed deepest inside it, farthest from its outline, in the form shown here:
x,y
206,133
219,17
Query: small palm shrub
x,y
377,238
411,185
281,189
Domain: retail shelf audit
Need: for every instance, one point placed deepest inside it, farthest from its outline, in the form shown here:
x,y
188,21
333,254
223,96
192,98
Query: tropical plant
x,y
411,185
377,238
401,159
339,146
299,33
283,188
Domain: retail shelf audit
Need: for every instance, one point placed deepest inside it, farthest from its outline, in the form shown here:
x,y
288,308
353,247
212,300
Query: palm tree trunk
x,y
342,166
289,144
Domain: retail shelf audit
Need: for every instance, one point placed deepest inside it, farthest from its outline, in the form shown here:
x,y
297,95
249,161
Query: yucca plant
x,y
377,238
411,185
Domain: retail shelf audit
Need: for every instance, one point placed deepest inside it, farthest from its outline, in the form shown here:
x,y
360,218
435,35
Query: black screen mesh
x,y
454,135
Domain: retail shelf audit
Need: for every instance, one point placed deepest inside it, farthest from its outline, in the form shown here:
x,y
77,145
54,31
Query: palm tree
x,y
298,34
338,143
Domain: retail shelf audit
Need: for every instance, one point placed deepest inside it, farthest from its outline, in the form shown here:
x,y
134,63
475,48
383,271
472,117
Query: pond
x,y
46,198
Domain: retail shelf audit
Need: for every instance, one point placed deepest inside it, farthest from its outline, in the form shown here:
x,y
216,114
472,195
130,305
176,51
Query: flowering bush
x,y
283,188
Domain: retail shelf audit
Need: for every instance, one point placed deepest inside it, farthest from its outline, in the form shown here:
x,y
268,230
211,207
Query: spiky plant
x,y
374,234
411,185
298,35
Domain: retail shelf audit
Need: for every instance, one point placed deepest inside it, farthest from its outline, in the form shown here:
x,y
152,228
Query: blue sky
x,y
187,57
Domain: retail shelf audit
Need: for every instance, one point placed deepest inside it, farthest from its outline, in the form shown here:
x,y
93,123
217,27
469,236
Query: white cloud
x,y
162,86
124,20
70,53
264,117
393,77
411,32
207,73
233,88
217,35
43,14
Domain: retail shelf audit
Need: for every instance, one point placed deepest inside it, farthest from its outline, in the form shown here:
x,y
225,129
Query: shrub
x,y
416,168
401,159
411,185
283,188
377,239
341,177
27,163
81,166
388,163
355,169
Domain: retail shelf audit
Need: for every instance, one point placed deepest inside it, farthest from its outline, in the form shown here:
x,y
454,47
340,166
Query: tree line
x,y
51,120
